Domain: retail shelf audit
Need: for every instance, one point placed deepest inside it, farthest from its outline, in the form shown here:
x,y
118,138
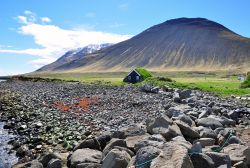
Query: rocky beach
x,y
69,124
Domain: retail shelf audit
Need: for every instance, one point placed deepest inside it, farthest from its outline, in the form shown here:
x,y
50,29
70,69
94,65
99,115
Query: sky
x,y
34,33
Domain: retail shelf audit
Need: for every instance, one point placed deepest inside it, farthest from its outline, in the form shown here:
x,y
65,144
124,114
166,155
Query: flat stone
x,y
209,122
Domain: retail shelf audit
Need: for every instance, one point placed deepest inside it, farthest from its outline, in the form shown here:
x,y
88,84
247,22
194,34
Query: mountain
x,y
73,55
177,44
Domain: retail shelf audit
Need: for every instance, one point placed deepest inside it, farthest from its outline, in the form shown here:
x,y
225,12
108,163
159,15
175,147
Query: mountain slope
x,y
178,44
73,55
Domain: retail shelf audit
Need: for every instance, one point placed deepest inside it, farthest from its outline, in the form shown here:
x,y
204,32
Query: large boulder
x,y
145,155
45,158
238,153
164,126
85,155
172,155
88,143
209,122
104,140
202,161
114,142
133,140
220,159
116,158
187,131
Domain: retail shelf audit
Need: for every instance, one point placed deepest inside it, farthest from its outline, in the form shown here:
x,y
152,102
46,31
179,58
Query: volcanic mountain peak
x,y
178,44
190,22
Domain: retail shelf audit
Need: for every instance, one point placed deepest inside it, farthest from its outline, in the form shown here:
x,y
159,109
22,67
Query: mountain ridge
x,y
177,44
73,55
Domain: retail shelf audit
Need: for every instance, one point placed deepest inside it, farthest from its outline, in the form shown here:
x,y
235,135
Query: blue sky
x,y
36,32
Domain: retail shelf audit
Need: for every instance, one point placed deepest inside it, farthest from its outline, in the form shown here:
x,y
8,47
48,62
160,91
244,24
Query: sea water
x,y
7,158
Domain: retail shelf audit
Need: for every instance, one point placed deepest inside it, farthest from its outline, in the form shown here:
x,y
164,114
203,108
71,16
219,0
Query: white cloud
x,y
90,14
45,19
54,41
22,19
28,18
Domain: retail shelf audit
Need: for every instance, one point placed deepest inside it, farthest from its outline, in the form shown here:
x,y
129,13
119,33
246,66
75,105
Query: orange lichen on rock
x,y
61,106
82,104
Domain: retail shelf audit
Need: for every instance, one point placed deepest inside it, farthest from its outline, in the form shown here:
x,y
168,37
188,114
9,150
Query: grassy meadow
x,y
218,83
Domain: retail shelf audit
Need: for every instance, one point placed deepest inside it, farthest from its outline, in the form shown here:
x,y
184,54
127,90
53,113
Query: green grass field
x,y
220,84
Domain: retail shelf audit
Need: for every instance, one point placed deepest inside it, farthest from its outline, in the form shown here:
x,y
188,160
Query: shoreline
x,y
56,117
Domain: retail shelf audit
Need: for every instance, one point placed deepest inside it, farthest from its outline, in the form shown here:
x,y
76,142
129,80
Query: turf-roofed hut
x,y
137,75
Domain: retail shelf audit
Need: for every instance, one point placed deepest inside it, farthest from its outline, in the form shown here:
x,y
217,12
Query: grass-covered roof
x,y
246,83
143,72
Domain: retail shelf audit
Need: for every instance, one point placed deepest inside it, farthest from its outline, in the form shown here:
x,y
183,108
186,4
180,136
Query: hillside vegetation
x,y
220,84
